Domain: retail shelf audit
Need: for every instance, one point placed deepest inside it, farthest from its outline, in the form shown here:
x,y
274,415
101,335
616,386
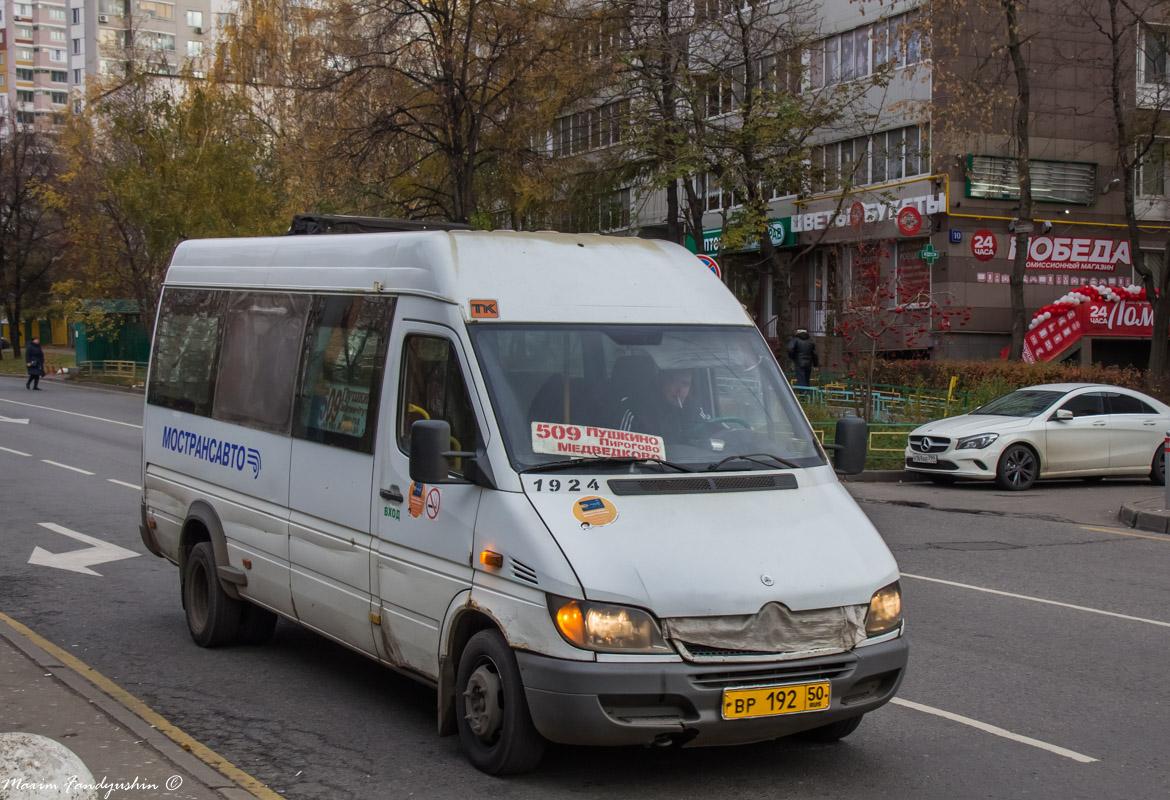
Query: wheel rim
x,y
1019,467
1160,466
483,703
197,602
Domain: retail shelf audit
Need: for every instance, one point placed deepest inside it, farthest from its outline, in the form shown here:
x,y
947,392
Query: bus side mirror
x,y
851,439
430,443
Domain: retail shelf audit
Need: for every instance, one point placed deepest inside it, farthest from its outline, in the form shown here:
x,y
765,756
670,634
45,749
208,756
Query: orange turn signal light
x,y
490,559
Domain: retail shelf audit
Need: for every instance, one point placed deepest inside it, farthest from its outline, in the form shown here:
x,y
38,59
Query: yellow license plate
x,y
768,701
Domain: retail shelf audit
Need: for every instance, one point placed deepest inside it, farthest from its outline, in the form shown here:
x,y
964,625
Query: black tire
x,y
832,732
256,625
1158,468
495,728
1018,468
212,617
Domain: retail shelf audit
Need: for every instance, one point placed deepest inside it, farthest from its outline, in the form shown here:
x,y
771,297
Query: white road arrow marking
x,y
98,552
13,419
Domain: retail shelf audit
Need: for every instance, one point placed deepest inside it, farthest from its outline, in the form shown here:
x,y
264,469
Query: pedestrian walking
x,y
803,353
34,357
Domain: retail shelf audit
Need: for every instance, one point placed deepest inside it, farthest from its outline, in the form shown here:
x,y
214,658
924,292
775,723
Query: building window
x,y
23,32
56,35
1153,171
224,19
77,77
24,10
194,49
1155,45
77,16
589,130
76,47
156,10
58,76
60,98
24,53
859,52
24,74
57,14
24,96
994,177
56,54
880,158
195,19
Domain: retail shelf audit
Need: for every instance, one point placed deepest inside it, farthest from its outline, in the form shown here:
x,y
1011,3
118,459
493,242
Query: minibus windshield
x,y
647,397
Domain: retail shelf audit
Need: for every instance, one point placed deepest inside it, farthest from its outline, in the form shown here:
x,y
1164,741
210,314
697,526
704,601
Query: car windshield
x,y
1021,403
641,397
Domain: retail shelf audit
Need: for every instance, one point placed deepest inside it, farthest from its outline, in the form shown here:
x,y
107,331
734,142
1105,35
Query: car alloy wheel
x,y
1018,468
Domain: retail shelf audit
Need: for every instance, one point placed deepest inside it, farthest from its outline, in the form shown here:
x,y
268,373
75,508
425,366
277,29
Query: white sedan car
x,y
1057,430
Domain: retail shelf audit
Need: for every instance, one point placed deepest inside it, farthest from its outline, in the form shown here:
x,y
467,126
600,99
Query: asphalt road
x,y
1039,631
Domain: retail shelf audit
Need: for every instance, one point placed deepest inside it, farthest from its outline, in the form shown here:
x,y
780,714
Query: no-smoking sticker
x,y
433,503
983,245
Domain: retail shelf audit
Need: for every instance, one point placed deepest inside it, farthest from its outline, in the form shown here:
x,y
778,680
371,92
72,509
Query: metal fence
x,y
886,403
134,371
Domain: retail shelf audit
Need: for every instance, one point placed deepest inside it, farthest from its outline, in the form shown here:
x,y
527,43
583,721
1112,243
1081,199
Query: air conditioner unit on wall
x,y
198,31
103,17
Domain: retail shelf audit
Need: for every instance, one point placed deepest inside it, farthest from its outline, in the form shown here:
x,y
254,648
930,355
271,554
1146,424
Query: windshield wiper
x,y
756,458
577,463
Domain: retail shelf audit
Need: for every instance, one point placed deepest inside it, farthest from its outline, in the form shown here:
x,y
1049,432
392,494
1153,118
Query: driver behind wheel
x,y
666,410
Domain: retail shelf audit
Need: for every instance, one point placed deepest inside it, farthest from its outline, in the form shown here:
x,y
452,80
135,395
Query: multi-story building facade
x,y
50,48
919,205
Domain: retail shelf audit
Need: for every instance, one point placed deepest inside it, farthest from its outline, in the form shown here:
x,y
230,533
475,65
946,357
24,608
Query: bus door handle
x,y
393,494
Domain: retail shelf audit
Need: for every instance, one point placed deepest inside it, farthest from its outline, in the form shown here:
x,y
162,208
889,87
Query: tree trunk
x,y
1156,373
1024,177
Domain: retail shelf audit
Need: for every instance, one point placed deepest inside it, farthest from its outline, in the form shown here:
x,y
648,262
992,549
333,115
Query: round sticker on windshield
x,y
594,511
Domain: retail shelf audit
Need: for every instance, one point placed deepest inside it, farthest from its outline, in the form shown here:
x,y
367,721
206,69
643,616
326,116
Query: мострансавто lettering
x,y
211,450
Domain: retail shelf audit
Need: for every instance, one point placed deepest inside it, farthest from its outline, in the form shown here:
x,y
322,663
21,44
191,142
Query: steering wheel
x,y
696,431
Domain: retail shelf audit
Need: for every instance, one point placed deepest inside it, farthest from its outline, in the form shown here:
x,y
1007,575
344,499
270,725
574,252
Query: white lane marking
x,y
983,726
98,552
1039,600
15,452
66,466
14,419
127,485
72,413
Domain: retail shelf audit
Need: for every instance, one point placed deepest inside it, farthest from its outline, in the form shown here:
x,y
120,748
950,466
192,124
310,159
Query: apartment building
x,y
49,49
919,206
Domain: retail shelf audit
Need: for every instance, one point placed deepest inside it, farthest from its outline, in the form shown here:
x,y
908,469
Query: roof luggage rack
x,y
339,223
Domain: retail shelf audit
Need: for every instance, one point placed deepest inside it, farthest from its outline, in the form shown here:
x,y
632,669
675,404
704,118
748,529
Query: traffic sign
x,y
712,265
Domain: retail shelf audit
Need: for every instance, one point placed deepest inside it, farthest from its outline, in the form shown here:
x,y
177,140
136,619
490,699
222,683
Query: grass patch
x,y
11,365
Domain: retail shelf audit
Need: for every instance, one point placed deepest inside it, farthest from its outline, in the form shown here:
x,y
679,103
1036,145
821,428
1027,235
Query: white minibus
x,y
560,478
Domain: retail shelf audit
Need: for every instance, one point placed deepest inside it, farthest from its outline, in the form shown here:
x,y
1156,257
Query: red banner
x,y
1052,337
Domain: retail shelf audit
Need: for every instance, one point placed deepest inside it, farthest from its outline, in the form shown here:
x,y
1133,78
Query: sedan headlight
x,y
977,442
885,610
606,628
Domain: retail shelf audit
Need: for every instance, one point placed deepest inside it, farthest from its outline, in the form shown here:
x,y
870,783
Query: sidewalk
x,y
44,692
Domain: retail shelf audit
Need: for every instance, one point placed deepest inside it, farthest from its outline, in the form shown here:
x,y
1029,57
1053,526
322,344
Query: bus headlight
x,y
605,627
885,610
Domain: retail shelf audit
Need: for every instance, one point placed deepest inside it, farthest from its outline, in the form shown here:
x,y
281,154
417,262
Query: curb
x,y
122,715
887,476
1155,520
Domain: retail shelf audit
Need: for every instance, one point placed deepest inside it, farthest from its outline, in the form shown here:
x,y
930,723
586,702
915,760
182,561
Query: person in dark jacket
x,y
34,358
803,353
667,410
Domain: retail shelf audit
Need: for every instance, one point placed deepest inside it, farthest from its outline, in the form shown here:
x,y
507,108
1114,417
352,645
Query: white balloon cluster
x,y
1111,294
